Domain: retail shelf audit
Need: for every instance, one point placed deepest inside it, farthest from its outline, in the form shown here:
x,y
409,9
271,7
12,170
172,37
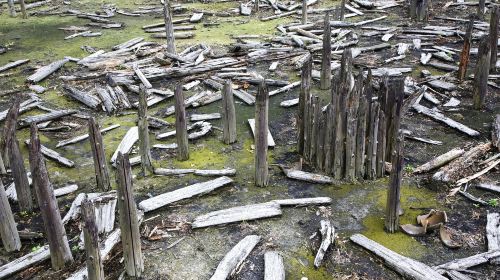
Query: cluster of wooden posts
x,y
353,135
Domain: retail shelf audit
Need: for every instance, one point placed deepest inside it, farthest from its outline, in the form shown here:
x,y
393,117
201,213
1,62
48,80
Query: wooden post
x,y
464,55
91,238
351,130
315,107
493,37
23,9
12,8
169,27
256,6
16,160
8,226
10,128
304,11
371,151
381,144
394,191
419,10
308,127
340,130
331,127
326,59
144,149
228,114
129,224
305,93
60,253
261,129
482,73
97,147
181,125
361,138
481,9
320,140
342,10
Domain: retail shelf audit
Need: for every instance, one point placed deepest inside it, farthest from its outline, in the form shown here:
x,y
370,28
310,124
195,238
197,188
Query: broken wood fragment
x,y
8,227
308,177
439,161
45,71
327,239
235,257
273,264
97,147
181,125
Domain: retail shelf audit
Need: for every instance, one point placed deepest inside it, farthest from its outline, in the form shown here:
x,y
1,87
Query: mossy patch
x,y
300,264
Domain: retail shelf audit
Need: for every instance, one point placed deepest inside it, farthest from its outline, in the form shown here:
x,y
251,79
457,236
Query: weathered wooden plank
x,y
235,257
467,262
128,141
45,71
45,117
13,64
181,125
53,155
493,233
273,264
93,257
238,214
307,176
270,138
25,262
8,226
407,267
83,137
197,189
439,161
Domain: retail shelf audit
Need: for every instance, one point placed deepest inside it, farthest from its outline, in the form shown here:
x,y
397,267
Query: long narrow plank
x,y
238,214
183,193
465,263
273,266
307,176
13,64
83,137
444,119
127,142
25,262
235,257
303,201
270,139
493,233
55,156
407,267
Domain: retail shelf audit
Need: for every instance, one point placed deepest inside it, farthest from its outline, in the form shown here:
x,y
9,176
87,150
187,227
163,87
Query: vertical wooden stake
x,y
342,10
351,130
261,129
305,93
129,224
326,60
493,37
169,27
361,138
16,160
144,150
394,191
381,144
12,8
8,226
256,6
304,11
419,10
23,9
316,110
228,114
91,238
60,253
481,9
464,55
97,147
482,73
181,125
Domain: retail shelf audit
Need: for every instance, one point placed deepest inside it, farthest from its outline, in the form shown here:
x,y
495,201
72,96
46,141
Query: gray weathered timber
x,y
45,71
87,99
141,77
439,161
465,53
273,265
419,10
236,256
304,11
270,139
128,44
238,214
181,125
326,68
444,119
205,117
84,136
307,176
394,190
229,114
305,88
465,263
11,65
97,148
495,132
197,189
482,72
261,134
371,150
60,252
481,8
91,239
53,155
493,37
128,141
45,117
129,224
169,27
407,267
215,172
303,201
361,138
327,239
144,145
106,98
8,226
493,234
24,262
489,187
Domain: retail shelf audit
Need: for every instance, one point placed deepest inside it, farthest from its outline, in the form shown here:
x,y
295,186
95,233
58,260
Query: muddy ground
x,y
357,207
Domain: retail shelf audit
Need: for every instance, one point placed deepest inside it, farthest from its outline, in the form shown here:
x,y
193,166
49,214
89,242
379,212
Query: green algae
x,y
300,264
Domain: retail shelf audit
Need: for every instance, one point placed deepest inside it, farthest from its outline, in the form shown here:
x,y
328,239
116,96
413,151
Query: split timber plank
x,y
327,238
13,64
303,201
270,139
45,117
215,172
407,267
238,214
439,161
83,137
183,193
444,119
493,233
273,266
307,176
25,262
55,156
235,257
465,263
46,70
489,187
127,142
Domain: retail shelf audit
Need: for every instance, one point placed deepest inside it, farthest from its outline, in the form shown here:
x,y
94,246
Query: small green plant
x,y
75,248
493,202
36,248
24,214
409,168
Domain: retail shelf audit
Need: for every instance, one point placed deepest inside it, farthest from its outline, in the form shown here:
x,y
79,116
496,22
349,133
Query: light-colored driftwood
x,y
91,236
303,201
307,176
128,141
493,233
327,239
465,263
407,267
8,226
270,139
80,138
25,262
237,214
45,71
489,187
439,161
13,64
273,265
197,189
235,257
